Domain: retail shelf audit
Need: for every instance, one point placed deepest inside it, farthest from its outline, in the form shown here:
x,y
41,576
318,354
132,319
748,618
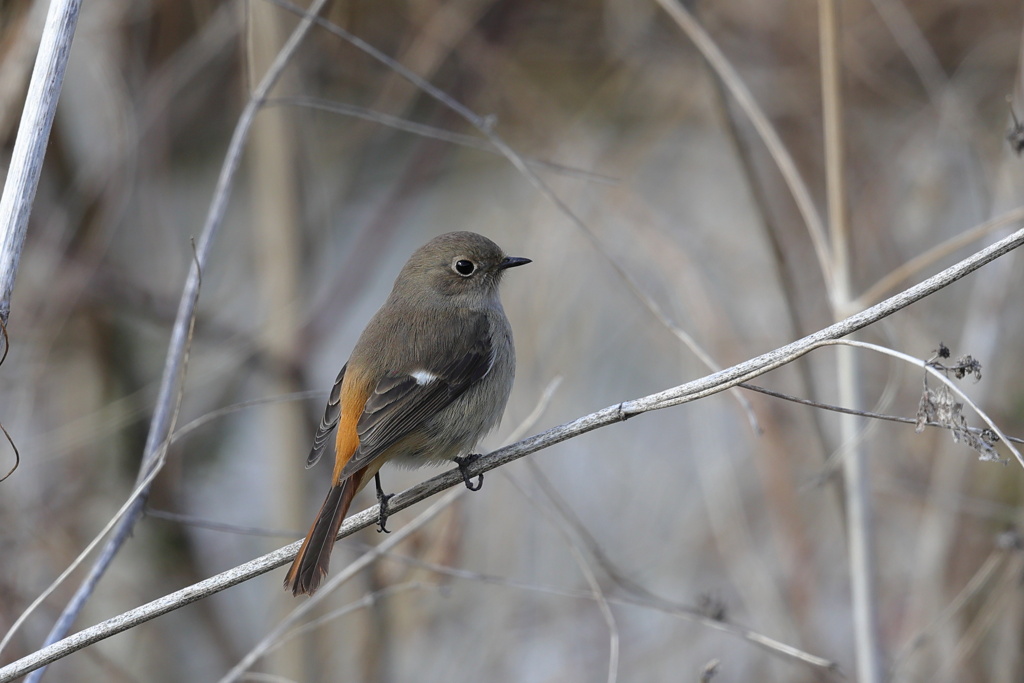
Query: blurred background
x,y
684,212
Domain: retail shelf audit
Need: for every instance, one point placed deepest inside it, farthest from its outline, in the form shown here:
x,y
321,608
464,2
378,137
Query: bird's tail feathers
x,y
310,566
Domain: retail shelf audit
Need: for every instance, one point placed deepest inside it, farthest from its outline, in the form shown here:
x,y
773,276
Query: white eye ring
x,y
463,266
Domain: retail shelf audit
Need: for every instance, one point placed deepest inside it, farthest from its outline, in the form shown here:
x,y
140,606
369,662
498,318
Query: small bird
x,y
428,378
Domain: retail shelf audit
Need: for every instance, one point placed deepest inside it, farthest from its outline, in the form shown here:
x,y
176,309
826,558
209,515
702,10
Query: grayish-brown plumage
x,y
428,378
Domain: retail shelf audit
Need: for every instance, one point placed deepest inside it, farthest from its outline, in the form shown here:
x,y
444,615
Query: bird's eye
x,y
464,267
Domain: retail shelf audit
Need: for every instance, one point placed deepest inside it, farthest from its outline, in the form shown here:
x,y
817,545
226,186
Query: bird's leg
x,y
464,462
382,500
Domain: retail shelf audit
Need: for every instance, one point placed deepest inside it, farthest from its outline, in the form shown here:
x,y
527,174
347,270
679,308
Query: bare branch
x,y
30,144
699,388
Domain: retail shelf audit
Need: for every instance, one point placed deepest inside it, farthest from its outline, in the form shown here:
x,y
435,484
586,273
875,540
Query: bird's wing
x,y
401,402
330,420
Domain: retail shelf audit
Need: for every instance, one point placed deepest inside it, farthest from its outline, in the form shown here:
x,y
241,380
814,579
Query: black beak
x,y
512,262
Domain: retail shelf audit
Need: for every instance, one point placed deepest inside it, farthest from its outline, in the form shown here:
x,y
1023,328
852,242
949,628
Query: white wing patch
x,y
423,377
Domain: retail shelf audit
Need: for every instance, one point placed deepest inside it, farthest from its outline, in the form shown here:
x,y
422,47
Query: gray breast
x,y
458,428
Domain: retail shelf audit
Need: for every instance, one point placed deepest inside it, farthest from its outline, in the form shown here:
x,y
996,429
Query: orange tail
x,y
310,565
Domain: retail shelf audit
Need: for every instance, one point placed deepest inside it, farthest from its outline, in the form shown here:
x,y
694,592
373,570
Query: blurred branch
x,y
367,600
860,528
939,251
637,596
213,415
787,166
914,44
772,229
979,582
620,412
222,527
30,143
994,604
433,133
173,375
576,542
122,522
276,635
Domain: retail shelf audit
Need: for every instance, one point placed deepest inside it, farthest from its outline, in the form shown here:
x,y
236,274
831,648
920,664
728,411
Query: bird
x,y
428,377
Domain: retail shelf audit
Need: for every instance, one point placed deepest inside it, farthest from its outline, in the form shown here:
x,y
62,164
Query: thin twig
x,y
565,529
973,587
939,251
539,409
17,455
860,413
366,601
213,415
433,133
222,527
941,376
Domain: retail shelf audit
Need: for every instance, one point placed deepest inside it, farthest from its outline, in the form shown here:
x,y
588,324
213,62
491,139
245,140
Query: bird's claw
x,y
463,463
382,501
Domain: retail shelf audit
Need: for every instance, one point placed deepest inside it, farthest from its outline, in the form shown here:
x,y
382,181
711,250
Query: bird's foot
x,y
463,463
382,501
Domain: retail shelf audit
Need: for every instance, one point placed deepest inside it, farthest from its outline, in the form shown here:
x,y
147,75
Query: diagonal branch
x,y
683,393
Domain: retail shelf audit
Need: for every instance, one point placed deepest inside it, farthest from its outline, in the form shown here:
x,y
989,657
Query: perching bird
x,y
429,376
